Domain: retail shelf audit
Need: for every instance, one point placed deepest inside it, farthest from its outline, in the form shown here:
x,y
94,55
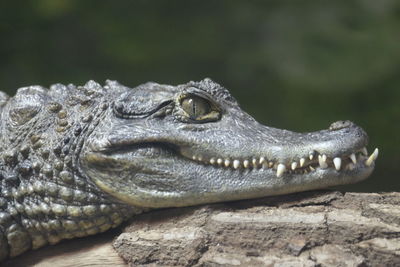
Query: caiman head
x,y
168,146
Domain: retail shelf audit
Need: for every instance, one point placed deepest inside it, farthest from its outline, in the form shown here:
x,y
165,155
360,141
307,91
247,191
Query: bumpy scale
x,y
76,161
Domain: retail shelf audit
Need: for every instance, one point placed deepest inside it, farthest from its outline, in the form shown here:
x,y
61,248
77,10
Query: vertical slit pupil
x,y
193,103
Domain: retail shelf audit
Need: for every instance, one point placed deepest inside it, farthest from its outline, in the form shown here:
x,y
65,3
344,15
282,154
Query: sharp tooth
x,y
236,164
227,163
372,158
194,158
338,163
294,165
262,160
280,170
311,155
270,164
376,153
322,161
212,161
265,164
311,168
255,163
302,162
364,151
353,158
220,161
246,163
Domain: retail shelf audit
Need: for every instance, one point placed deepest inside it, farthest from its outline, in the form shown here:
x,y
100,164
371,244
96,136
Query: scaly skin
x,y
76,161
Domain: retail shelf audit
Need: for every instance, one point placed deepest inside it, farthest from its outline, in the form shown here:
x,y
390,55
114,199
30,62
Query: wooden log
x,y
319,228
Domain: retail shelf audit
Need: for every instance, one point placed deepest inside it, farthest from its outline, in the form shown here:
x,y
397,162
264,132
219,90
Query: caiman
x,y
79,160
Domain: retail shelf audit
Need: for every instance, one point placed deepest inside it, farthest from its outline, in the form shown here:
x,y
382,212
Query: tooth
x,y
302,162
372,158
265,164
376,153
227,163
311,168
294,165
255,164
280,170
311,155
194,157
270,164
262,160
338,163
353,158
212,161
246,163
220,161
364,151
236,164
322,161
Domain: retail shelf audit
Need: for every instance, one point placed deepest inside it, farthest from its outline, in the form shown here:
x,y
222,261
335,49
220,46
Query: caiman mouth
x,y
303,165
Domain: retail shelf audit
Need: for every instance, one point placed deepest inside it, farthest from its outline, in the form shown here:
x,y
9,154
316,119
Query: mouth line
x,y
302,165
155,149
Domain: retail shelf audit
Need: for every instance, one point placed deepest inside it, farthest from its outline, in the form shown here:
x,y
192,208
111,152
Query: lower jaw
x,y
292,183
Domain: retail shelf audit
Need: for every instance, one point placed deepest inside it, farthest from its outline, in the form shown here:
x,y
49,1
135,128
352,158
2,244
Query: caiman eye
x,y
199,109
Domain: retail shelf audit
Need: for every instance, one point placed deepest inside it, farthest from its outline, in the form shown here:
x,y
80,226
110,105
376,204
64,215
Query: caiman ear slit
x,y
142,101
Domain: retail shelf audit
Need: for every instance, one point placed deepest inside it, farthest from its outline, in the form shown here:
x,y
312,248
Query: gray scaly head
x,y
169,146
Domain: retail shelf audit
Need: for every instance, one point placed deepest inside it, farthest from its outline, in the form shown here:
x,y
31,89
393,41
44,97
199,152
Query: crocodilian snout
x,y
341,147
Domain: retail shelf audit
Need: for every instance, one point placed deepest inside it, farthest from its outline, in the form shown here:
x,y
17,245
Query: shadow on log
x,y
320,228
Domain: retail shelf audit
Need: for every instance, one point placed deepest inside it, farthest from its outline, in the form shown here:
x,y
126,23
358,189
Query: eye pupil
x,y
192,104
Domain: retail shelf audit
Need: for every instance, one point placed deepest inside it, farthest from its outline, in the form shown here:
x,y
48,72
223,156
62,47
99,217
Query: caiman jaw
x,y
304,165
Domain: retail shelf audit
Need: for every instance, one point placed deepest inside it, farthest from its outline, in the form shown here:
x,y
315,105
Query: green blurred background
x,y
298,65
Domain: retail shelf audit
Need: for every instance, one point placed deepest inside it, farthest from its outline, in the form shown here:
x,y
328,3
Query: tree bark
x,y
319,228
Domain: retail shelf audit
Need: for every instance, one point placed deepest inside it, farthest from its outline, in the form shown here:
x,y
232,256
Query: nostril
x,y
340,125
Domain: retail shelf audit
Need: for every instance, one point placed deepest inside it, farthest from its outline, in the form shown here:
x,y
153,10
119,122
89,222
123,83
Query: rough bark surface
x,y
304,229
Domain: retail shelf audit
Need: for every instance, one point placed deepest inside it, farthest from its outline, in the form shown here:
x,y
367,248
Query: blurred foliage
x,y
297,65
